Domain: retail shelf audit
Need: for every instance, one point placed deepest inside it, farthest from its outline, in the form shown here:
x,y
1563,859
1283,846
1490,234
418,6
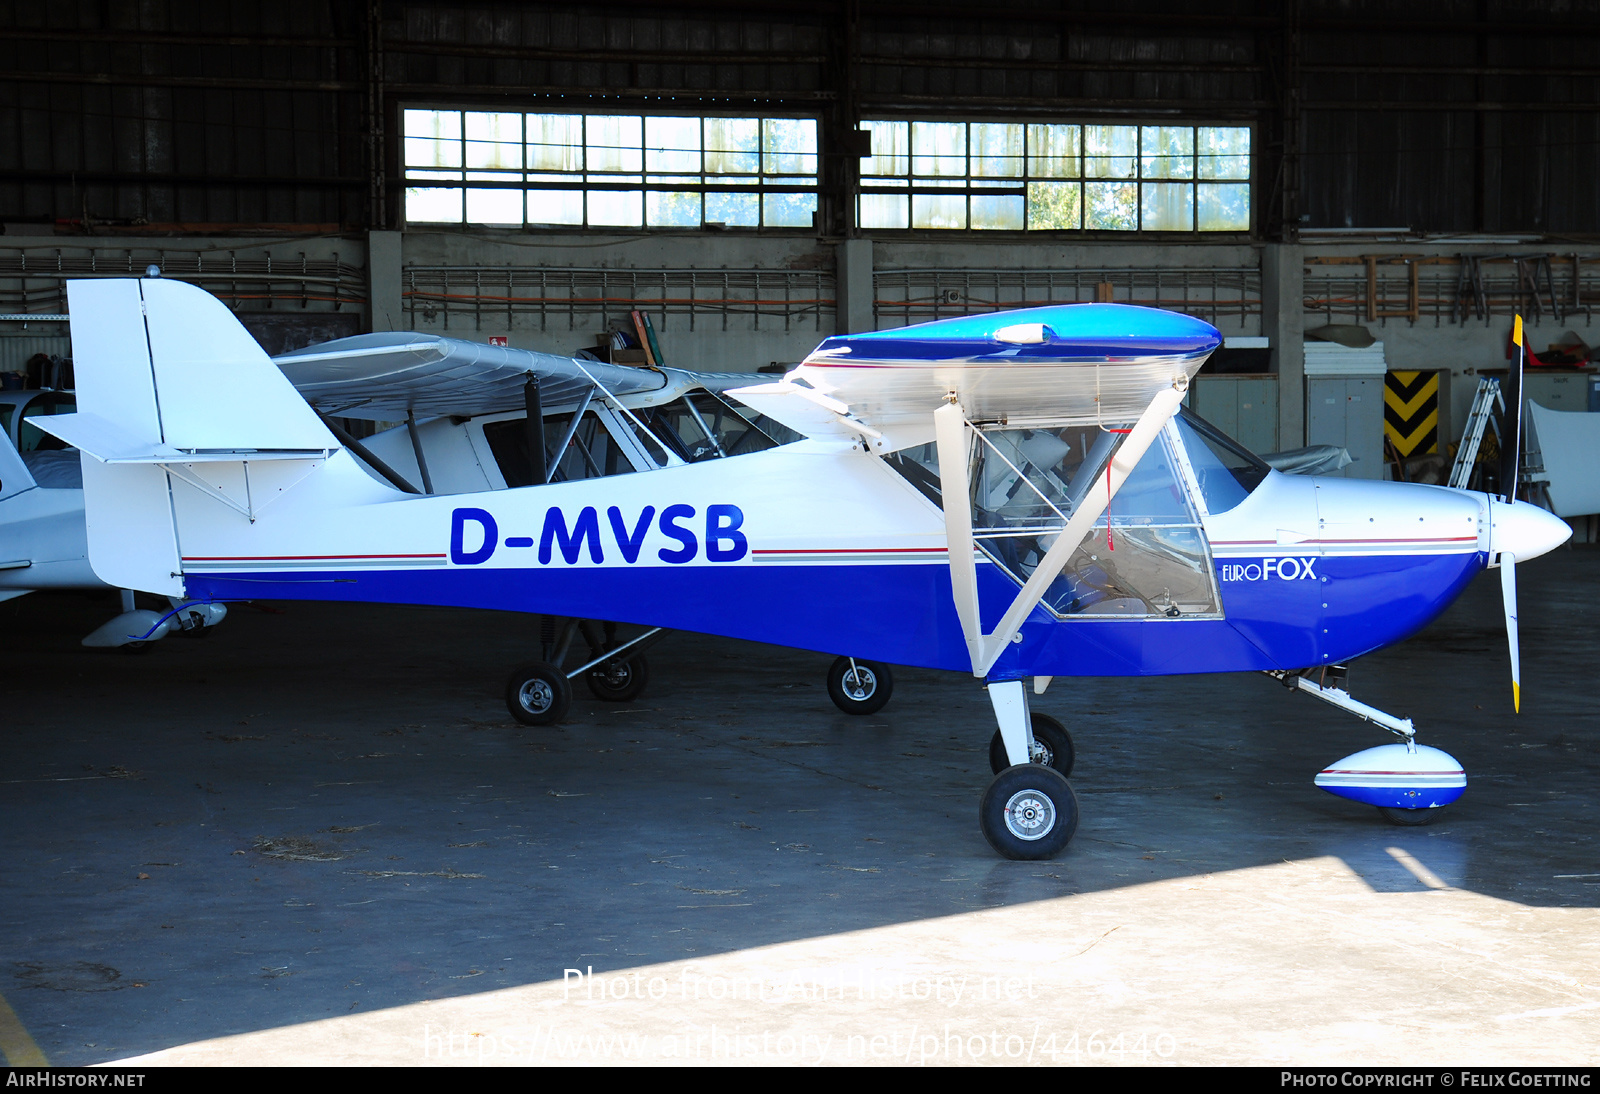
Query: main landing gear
x,y
1408,783
1052,746
539,693
1029,810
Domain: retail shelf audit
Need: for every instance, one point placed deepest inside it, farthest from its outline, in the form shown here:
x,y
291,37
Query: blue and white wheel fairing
x,y
1397,777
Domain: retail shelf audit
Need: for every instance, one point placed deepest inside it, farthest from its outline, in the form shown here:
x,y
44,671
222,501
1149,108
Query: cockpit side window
x,y
1226,471
703,426
592,453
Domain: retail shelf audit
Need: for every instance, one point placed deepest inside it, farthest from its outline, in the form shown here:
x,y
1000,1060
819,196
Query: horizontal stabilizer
x,y
109,443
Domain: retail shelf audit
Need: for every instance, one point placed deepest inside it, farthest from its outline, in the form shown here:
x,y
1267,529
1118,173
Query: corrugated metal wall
x,y
181,112
1440,115
1459,115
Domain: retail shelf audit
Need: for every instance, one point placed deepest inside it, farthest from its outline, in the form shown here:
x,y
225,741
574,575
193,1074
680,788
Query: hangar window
x,y
1046,176
609,170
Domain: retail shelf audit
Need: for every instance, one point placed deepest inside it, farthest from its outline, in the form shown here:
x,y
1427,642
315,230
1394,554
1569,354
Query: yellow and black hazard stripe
x,y
1411,412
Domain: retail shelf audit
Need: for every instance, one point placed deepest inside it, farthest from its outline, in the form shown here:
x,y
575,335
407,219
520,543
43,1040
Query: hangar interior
x,y
757,177
821,168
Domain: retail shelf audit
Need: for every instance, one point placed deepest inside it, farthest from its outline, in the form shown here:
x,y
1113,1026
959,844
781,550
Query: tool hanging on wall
x,y
1469,288
1537,284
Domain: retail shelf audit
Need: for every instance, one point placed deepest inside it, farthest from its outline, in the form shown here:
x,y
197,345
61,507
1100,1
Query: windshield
x,y
1225,469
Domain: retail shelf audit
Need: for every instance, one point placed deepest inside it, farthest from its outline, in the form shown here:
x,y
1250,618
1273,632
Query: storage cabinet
x,y
1245,407
1348,411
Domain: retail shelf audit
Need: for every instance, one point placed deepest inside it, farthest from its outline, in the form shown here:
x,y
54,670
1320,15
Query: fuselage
x,y
826,547
207,475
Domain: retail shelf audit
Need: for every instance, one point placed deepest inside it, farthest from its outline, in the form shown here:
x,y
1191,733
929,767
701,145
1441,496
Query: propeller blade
x,y
1511,435
1508,595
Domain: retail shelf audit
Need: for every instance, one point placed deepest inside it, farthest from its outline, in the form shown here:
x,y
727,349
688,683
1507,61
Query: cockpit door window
x,y
1026,484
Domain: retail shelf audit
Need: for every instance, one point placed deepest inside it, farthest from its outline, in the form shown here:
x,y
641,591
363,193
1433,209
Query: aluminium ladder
x,y
1484,403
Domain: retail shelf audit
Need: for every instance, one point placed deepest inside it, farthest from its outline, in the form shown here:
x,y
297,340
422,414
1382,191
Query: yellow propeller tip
x,y
1516,331
1516,697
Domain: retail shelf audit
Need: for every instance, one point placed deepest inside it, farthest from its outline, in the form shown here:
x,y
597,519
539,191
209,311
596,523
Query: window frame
x,y
910,185
767,181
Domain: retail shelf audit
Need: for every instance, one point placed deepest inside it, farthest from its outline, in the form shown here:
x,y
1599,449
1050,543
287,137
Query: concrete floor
x,y
315,837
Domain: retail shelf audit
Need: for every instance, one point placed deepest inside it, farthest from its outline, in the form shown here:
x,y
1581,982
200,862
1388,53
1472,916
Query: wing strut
x,y
950,432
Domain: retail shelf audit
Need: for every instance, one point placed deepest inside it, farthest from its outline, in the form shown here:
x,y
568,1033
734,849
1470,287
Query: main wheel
x,y
862,689
1052,746
619,681
538,694
1407,818
1029,812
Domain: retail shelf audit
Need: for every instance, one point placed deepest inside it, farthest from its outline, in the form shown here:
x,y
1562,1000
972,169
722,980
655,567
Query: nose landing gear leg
x,y
1407,782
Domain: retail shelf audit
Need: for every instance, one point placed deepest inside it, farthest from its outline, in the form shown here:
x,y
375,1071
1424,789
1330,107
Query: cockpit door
x,y
1146,558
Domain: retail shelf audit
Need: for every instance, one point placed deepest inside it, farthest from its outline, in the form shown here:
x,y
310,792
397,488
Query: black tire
x,y
863,692
618,681
1029,812
1407,818
1053,740
538,694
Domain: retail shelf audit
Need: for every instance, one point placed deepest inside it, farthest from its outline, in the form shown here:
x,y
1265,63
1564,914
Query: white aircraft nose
x,y
1524,530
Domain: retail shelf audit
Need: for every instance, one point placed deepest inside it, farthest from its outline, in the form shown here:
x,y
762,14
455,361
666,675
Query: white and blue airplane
x,y
1015,495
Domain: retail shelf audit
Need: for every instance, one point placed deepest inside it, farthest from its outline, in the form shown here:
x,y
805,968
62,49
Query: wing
x,y
385,377
1064,364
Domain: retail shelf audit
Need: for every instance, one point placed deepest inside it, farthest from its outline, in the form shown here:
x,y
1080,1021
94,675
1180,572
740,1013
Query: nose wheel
x,y
1409,783
1407,818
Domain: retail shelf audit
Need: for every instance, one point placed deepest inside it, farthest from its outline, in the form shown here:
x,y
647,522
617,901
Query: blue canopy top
x,y
1075,332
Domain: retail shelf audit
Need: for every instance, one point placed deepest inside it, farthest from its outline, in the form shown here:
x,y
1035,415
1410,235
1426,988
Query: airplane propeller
x,y
1508,597
1510,467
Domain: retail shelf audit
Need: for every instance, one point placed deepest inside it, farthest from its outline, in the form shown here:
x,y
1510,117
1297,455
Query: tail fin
x,y
167,380
169,365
